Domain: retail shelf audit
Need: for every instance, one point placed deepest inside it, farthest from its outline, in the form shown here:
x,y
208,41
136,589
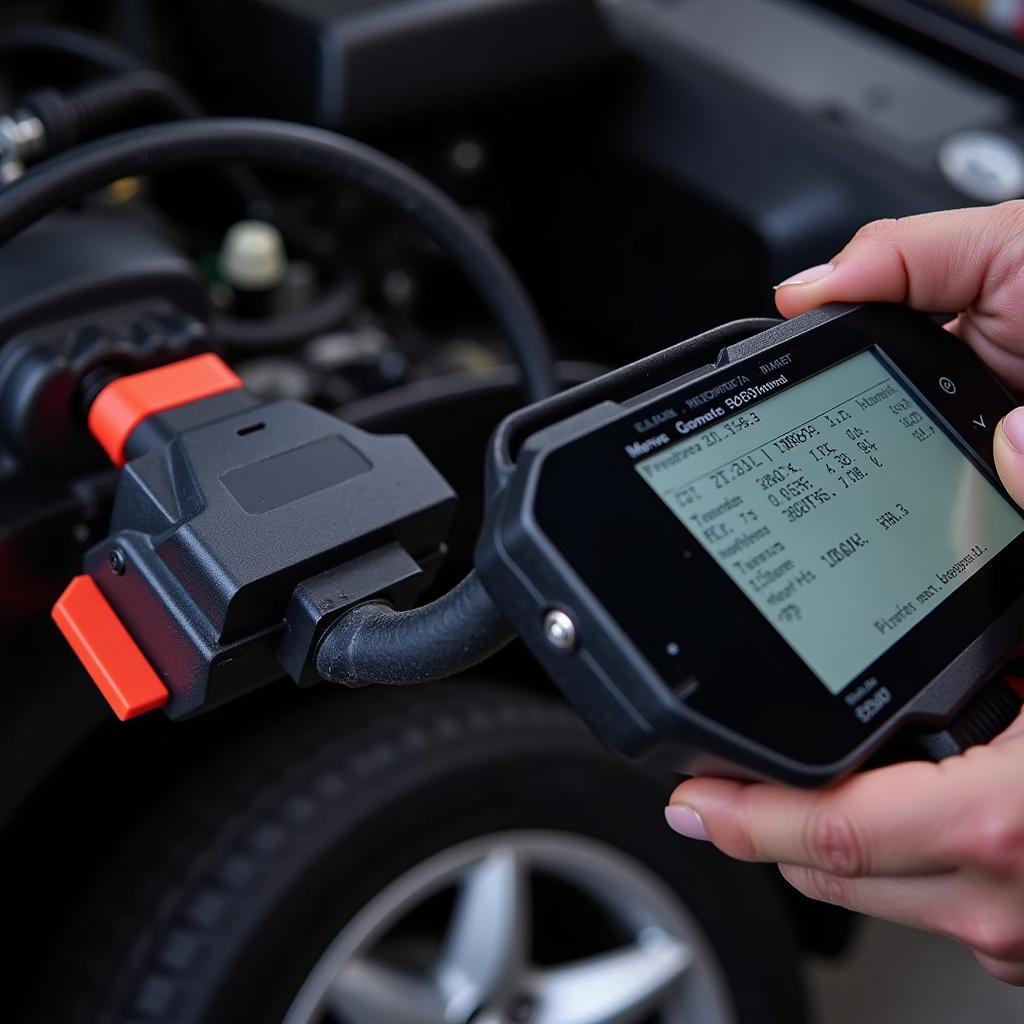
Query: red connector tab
x,y
110,656
123,404
230,507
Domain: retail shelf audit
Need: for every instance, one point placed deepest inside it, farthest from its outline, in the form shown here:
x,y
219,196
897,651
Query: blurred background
x,y
462,853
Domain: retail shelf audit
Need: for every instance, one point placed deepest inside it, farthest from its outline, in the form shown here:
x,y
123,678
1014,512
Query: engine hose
x,y
112,103
108,104
130,85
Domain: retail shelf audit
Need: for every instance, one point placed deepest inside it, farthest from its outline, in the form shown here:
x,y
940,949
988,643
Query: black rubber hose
x,y
114,102
374,644
86,47
101,54
151,88
301,149
104,105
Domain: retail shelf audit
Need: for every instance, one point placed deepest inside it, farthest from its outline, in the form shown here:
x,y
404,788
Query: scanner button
x,y
560,630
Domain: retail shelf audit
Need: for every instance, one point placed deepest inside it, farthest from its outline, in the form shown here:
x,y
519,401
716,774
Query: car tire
x,y
226,892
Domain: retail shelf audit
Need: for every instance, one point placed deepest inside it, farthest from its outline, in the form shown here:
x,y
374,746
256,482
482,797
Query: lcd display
x,y
840,508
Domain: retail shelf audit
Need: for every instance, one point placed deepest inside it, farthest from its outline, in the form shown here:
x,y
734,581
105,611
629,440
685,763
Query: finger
x,y
995,339
1008,449
954,905
1010,971
936,262
923,903
892,821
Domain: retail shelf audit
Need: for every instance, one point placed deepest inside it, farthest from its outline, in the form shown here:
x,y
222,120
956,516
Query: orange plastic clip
x,y
124,403
106,649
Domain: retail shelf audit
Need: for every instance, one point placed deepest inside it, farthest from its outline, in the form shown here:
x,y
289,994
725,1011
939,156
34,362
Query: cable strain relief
x,y
91,385
56,116
374,644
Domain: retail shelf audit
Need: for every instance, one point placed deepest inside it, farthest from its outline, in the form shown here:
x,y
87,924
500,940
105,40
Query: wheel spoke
x,y
620,987
485,949
368,992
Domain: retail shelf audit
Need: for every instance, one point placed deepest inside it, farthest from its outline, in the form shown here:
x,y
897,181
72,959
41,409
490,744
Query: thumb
x,y
1008,448
936,262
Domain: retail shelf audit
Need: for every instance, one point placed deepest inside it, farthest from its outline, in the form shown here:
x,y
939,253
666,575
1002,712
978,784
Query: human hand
x,y
935,846
965,262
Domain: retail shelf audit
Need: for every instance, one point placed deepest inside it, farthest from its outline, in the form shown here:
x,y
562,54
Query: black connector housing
x,y
242,530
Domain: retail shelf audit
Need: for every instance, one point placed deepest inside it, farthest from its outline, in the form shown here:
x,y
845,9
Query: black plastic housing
x,y
340,63
567,528
226,518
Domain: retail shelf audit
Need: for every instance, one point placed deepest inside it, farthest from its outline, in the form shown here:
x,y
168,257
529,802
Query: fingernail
x,y
808,276
686,821
1013,428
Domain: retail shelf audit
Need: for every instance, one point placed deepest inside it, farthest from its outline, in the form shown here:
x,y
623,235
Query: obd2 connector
x,y
241,531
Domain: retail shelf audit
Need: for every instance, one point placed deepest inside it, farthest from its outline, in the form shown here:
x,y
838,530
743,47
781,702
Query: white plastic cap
x,y
252,256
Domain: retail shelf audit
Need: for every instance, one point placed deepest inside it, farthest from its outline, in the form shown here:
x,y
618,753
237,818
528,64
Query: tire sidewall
x,y
297,856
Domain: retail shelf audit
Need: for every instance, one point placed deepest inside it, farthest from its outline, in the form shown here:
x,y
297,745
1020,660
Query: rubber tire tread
x,y
188,921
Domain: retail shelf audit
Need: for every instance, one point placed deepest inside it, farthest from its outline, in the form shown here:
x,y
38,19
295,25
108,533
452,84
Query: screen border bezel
x,y
803,721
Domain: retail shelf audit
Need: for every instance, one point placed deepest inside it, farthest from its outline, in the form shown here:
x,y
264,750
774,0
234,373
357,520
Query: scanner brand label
x,y
642,426
724,388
